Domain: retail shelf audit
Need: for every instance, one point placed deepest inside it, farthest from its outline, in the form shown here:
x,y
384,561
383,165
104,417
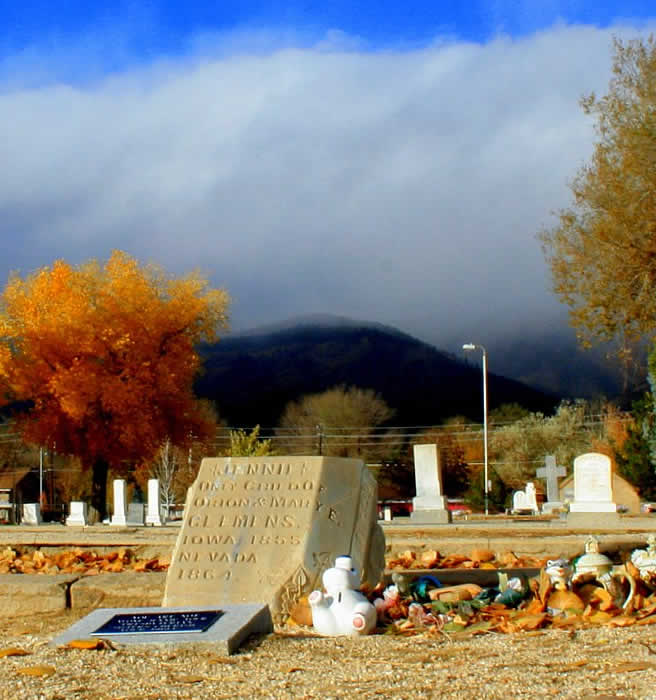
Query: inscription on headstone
x,y
265,530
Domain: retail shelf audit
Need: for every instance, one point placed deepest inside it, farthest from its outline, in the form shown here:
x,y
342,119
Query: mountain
x,y
251,377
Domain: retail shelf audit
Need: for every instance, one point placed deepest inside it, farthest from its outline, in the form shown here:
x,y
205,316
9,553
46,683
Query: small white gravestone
x,y
77,513
120,513
593,492
31,514
153,516
429,505
550,472
525,501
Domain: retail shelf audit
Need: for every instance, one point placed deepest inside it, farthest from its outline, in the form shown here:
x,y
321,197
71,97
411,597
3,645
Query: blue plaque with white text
x,y
158,622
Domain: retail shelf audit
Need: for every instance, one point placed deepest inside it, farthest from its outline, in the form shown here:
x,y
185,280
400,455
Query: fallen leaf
x,y
190,679
37,671
481,555
622,621
632,666
573,665
13,651
529,622
293,669
87,644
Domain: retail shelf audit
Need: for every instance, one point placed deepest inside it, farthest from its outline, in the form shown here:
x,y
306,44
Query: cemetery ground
x,y
598,661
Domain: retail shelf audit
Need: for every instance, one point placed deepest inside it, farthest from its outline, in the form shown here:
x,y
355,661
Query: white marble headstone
x,y
77,513
593,492
153,516
525,501
31,514
119,516
429,504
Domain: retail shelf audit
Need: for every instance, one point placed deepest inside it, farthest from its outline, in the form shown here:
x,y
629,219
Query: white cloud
x,y
403,187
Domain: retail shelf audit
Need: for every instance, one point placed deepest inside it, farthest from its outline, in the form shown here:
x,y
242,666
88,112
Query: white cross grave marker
x,y
551,472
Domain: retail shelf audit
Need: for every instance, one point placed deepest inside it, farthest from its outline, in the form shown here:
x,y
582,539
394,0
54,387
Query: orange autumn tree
x,y
105,356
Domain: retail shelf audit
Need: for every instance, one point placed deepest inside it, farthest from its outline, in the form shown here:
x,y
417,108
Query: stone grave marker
x,y
119,516
429,505
593,493
550,472
265,529
31,514
526,501
135,514
153,513
225,627
77,514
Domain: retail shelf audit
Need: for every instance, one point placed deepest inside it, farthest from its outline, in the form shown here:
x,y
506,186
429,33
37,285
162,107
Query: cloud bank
x,y
404,187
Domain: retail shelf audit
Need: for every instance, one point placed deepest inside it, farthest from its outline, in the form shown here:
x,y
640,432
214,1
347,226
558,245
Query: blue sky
x,y
129,31
385,161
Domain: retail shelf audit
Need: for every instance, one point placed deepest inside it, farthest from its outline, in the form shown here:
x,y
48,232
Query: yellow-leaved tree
x,y
602,253
105,356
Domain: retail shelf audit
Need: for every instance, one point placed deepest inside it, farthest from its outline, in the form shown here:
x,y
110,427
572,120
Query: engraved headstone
x,y
265,529
119,516
592,484
77,513
429,505
31,514
153,514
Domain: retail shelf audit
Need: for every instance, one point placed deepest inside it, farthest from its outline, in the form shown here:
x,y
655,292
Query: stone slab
x,y
265,529
437,516
236,624
113,590
31,594
594,520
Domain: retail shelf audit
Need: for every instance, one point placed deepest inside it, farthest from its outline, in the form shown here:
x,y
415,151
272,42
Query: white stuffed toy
x,y
342,610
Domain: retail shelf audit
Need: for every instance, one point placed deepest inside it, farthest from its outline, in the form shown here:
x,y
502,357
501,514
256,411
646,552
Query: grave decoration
x,y
343,610
584,592
642,564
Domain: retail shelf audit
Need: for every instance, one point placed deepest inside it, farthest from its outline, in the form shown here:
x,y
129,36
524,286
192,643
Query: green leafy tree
x,y
635,459
507,413
518,449
602,253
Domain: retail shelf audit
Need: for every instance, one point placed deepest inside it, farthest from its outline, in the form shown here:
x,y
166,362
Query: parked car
x,y
458,507
399,507
648,507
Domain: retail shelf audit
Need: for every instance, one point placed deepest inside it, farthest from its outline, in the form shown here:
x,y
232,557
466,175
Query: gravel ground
x,y
599,663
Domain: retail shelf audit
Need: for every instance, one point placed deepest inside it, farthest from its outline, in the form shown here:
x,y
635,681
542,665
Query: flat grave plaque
x,y
159,622
225,628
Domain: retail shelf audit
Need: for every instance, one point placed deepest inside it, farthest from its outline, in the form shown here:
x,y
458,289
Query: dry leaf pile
x,y
478,559
77,561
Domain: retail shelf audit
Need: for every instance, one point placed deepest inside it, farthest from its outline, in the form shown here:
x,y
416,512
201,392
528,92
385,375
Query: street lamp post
x,y
467,347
